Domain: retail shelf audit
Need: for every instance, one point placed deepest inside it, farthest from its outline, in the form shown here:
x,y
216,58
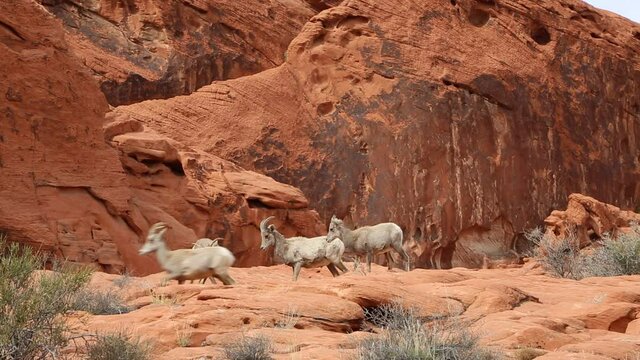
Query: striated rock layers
x,y
463,121
155,49
70,187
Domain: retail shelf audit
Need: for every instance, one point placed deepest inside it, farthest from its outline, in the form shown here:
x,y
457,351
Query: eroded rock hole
x,y
636,34
488,2
620,325
454,2
479,17
174,166
541,35
257,204
324,108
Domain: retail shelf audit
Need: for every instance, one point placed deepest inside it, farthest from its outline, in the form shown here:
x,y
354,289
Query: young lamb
x,y
188,264
370,240
299,252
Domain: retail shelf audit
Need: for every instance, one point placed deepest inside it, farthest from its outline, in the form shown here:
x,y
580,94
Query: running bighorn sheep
x,y
299,252
188,264
370,240
202,243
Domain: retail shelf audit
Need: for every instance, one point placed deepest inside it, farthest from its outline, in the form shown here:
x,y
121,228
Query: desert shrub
x,y
624,251
528,353
31,302
183,335
613,257
391,316
100,302
289,319
560,257
118,346
124,280
249,348
408,337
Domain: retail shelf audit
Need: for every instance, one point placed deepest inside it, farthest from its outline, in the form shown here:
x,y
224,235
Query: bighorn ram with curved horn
x,y
299,252
188,264
370,240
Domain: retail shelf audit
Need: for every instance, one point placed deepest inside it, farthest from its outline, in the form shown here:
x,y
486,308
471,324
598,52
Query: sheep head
x,y
267,233
335,229
154,238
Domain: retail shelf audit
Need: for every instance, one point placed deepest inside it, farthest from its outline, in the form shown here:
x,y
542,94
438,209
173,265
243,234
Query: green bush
x,y
408,337
249,348
118,346
31,302
100,302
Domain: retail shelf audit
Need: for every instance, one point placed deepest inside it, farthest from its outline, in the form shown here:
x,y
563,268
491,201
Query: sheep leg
x,y
369,256
341,266
225,278
166,279
333,270
389,260
296,270
400,250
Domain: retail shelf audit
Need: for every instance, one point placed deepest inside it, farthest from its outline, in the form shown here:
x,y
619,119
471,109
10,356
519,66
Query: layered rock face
x,y
465,122
143,50
87,193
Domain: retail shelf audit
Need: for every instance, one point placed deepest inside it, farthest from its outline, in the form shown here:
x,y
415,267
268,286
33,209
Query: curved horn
x,y
263,223
157,227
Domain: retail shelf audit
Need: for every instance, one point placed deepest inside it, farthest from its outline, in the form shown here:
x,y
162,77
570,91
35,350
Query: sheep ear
x,y
271,227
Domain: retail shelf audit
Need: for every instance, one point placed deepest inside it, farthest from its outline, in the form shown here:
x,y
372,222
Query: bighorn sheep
x,y
188,264
369,240
299,252
202,243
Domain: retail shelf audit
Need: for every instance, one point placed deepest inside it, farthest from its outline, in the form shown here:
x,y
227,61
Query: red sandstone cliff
x,y
464,121
141,50
69,187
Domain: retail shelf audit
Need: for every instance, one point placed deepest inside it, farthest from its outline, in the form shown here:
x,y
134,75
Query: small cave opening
x,y
479,17
254,203
176,167
636,34
620,325
454,2
541,35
